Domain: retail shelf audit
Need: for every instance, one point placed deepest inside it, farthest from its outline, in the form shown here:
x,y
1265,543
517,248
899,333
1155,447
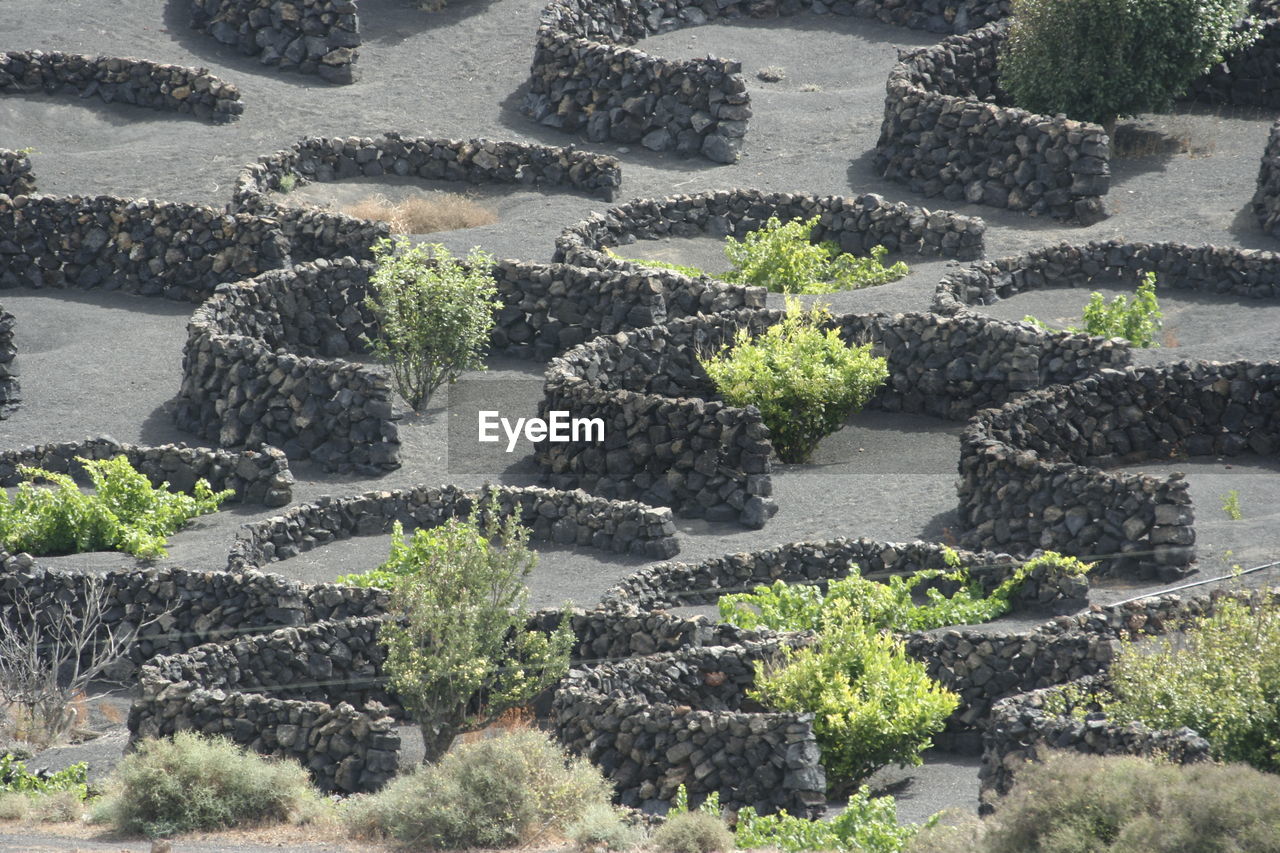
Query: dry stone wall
x,y
10,388
319,37
16,177
1030,472
1266,200
125,80
669,442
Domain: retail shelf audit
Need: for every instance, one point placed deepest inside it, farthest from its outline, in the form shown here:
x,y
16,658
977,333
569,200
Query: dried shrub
x,y
423,214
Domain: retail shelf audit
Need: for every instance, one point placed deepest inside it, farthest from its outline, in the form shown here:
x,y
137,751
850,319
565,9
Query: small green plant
x,y
459,652
781,258
600,825
287,183
1137,321
124,511
26,152
192,783
16,779
496,792
693,832
433,313
805,381
867,825
1231,505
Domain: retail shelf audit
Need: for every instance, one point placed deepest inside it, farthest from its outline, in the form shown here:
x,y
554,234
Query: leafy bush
x,y
1098,59
867,825
692,832
872,704
495,792
782,258
124,512
1138,321
1221,678
194,783
600,825
16,779
1123,804
434,314
458,651
804,381
802,607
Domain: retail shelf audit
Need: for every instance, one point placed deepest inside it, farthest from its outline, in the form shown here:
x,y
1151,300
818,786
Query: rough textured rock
x,y
319,37
16,177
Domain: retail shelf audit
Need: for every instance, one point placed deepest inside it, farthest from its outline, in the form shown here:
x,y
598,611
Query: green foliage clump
x,y
1231,505
782,258
288,183
693,832
16,779
495,792
867,825
1076,803
434,314
427,546
124,511
805,381
1098,59
192,783
1221,678
1136,321
459,653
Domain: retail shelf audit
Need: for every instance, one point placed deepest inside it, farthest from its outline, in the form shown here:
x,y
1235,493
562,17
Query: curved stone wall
x,y
1251,77
1266,200
1246,273
668,442
16,177
10,389
316,37
175,88
948,131
856,224
1030,472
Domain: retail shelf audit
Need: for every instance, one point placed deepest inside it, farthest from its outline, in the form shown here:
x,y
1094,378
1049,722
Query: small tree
x,y
1098,59
434,314
459,651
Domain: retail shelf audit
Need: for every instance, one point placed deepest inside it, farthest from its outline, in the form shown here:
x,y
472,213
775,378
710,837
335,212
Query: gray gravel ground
x,y
107,363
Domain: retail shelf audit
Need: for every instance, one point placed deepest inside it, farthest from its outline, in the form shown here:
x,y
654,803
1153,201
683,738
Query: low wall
x,y
1266,200
1030,472
1245,273
174,88
566,518
1252,76
10,389
856,224
313,37
473,161
16,177
668,442
950,131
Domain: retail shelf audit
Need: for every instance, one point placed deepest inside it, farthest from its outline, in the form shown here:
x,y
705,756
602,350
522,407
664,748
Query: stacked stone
x,y
623,631
16,177
949,130
1266,199
668,442
180,251
668,585
566,518
855,224
1030,473
936,16
1250,77
126,80
10,389
258,476
1246,273
654,723
309,36
474,161
314,234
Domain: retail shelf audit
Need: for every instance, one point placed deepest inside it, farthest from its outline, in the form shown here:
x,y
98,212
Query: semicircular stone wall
x,y
1031,471
669,442
319,37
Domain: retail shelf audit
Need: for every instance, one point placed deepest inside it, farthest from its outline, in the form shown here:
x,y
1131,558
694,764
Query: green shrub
x,y
195,783
1123,804
600,825
1231,505
1221,678
16,779
433,314
1138,321
804,381
1098,59
123,512
867,825
782,258
692,832
458,650
495,792
288,183
872,704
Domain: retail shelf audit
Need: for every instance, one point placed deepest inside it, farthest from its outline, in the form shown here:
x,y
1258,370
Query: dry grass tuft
x,y
423,214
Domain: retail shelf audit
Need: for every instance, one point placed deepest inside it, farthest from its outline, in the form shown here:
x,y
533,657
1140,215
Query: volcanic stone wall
x,y
310,36
855,224
566,518
175,88
654,723
1266,200
1252,76
1030,472
1245,273
16,177
10,389
949,130
668,442
181,251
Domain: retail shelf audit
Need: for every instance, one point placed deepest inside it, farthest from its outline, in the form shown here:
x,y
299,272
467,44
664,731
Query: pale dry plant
x,y
423,214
